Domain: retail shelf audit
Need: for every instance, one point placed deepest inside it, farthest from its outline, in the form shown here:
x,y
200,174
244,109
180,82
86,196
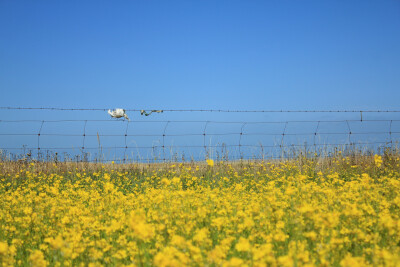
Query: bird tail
x,y
109,112
126,117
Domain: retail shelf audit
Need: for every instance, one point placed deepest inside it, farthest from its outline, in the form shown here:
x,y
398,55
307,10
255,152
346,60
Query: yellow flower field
x,y
342,211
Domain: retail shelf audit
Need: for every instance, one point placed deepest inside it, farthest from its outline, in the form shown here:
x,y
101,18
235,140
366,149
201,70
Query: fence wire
x,y
184,140
205,110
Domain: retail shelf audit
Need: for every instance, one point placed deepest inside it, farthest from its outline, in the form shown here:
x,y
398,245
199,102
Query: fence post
x,y
163,144
126,145
315,135
240,140
204,141
283,136
40,130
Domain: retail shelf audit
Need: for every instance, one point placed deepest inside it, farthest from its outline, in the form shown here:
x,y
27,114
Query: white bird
x,y
118,113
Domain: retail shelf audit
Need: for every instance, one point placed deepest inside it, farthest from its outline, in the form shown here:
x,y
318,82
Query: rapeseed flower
x,y
378,160
243,245
141,229
37,259
3,248
237,214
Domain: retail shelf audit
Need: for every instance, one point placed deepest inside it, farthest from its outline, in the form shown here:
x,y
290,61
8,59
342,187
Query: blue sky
x,y
201,54
257,55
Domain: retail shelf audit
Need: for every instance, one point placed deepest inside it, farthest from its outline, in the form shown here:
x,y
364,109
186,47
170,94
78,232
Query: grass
x,y
341,210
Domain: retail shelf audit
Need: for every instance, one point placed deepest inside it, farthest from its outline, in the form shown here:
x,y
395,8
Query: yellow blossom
x,y
37,259
243,245
201,235
140,227
3,248
301,212
378,160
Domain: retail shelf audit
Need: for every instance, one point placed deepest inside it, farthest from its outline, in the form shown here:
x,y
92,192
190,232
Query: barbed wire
x,y
242,143
190,134
206,110
204,121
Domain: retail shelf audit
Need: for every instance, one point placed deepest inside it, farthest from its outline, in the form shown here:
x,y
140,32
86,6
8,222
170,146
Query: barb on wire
x,y
240,139
315,133
348,125
163,139
126,144
84,135
38,142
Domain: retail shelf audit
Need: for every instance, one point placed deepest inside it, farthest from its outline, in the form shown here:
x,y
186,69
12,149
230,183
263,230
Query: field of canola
x,y
327,212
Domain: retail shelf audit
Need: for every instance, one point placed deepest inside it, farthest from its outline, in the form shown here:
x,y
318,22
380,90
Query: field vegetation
x,y
341,210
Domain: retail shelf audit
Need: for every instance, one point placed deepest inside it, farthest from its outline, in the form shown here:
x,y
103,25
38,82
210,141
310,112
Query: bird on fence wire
x,y
143,112
118,113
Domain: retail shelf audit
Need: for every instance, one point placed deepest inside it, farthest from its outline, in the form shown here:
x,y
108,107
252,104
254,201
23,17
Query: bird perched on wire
x,y
118,113
144,112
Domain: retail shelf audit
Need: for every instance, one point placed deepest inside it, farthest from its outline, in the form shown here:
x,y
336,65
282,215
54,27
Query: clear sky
x,y
201,54
250,55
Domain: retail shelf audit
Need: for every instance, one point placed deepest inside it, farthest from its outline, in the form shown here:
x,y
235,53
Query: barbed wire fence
x,y
152,140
